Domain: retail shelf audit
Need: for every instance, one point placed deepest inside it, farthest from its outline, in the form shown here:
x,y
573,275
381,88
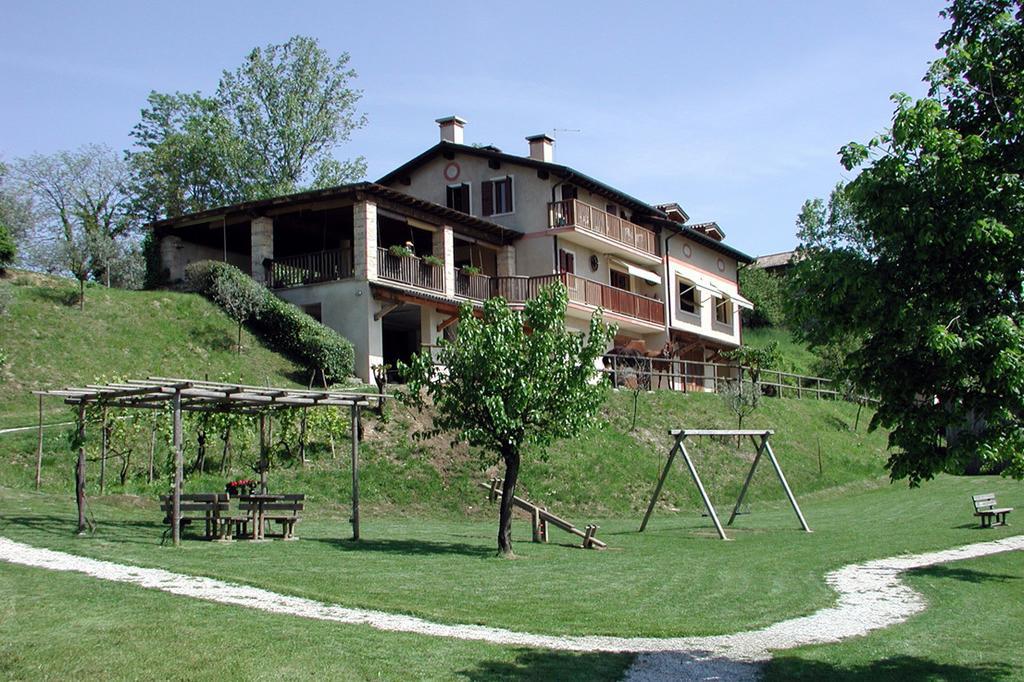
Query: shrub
x,y
280,324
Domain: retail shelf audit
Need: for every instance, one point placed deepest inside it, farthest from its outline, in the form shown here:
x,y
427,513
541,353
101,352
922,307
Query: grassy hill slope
x,y
608,470
132,334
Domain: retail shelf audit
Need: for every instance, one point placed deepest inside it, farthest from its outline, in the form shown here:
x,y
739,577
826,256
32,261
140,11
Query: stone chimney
x,y
542,147
451,128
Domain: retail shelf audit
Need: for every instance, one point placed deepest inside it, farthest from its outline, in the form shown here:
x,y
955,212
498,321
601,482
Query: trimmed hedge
x,y
281,325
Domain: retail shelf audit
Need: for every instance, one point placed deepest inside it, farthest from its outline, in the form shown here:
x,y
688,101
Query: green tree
x,y
755,360
7,248
238,300
510,379
929,269
293,105
80,209
15,208
271,128
186,157
765,291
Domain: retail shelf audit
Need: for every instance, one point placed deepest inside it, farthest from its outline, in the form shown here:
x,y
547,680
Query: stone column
x,y
364,240
262,231
444,248
506,261
170,257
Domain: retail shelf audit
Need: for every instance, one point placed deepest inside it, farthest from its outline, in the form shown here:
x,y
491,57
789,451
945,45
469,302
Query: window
x,y
568,192
689,298
458,198
619,280
496,196
610,208
566,261
723,311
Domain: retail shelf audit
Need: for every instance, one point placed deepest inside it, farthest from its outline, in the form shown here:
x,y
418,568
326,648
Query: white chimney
x,y
542,147
451,128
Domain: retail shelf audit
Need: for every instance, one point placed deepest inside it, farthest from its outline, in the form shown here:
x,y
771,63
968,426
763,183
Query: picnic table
x,y
262,508
256,505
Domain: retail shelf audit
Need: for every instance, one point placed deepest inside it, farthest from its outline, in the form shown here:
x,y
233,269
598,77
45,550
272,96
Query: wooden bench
x,y
284,512
985,506
210,508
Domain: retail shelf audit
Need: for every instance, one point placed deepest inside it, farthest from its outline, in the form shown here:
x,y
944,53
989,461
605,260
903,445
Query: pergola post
x,y
263,453
103,451
39,447
80,470
176,493
354,418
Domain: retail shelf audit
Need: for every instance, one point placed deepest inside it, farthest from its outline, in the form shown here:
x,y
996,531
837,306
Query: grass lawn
x,y
973,629
66,626
672,580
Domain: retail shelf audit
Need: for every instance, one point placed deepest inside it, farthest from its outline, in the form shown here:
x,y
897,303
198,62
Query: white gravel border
x,y
870,596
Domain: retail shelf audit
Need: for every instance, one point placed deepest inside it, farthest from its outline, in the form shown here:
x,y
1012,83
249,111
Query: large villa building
x,y
388,264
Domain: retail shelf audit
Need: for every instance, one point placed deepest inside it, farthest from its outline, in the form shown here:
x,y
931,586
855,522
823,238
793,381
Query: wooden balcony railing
x,y
585,291
575,213
309,268
472,286
409,270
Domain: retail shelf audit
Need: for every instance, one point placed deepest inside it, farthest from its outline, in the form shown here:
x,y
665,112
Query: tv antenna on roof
x,y
555,131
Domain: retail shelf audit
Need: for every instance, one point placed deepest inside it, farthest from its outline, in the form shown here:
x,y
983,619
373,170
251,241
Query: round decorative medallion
x,y
687,251
452,171
721,265
595,263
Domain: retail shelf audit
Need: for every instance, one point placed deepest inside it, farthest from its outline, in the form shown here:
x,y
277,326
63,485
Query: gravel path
x,y
870,596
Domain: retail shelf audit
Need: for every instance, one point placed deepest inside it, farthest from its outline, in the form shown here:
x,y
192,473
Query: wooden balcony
x,y
409,270
309,268
584,291
576,214
477,287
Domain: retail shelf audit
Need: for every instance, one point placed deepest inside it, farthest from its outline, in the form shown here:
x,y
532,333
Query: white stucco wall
x,y
348,308
697,263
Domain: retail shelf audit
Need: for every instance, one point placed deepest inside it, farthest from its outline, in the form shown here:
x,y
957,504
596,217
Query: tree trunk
x,y
81,294
227,448
508,490
239,338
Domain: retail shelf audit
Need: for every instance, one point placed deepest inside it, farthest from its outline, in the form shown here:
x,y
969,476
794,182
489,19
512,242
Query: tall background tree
x,y
512,379
271,128
79,214
926,267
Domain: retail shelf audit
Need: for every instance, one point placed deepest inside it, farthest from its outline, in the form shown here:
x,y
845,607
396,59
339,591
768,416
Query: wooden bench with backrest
x,y
210,508
987,508
284,512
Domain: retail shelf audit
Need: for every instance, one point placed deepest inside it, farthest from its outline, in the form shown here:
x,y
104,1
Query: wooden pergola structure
x,y
760,440
187,395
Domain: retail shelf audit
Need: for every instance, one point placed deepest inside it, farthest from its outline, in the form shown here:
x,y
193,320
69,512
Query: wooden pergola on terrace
x,y
186,395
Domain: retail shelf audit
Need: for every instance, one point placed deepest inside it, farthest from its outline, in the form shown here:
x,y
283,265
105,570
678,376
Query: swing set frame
x,y
760,440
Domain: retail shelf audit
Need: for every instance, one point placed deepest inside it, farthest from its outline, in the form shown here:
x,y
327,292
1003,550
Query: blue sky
x,y
733,109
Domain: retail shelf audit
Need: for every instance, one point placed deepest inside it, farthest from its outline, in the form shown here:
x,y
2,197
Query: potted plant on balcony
x,y
433,260
471,270
399,251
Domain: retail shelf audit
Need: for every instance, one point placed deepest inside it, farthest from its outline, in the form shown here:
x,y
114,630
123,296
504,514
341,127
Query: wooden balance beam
x,y
540,518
